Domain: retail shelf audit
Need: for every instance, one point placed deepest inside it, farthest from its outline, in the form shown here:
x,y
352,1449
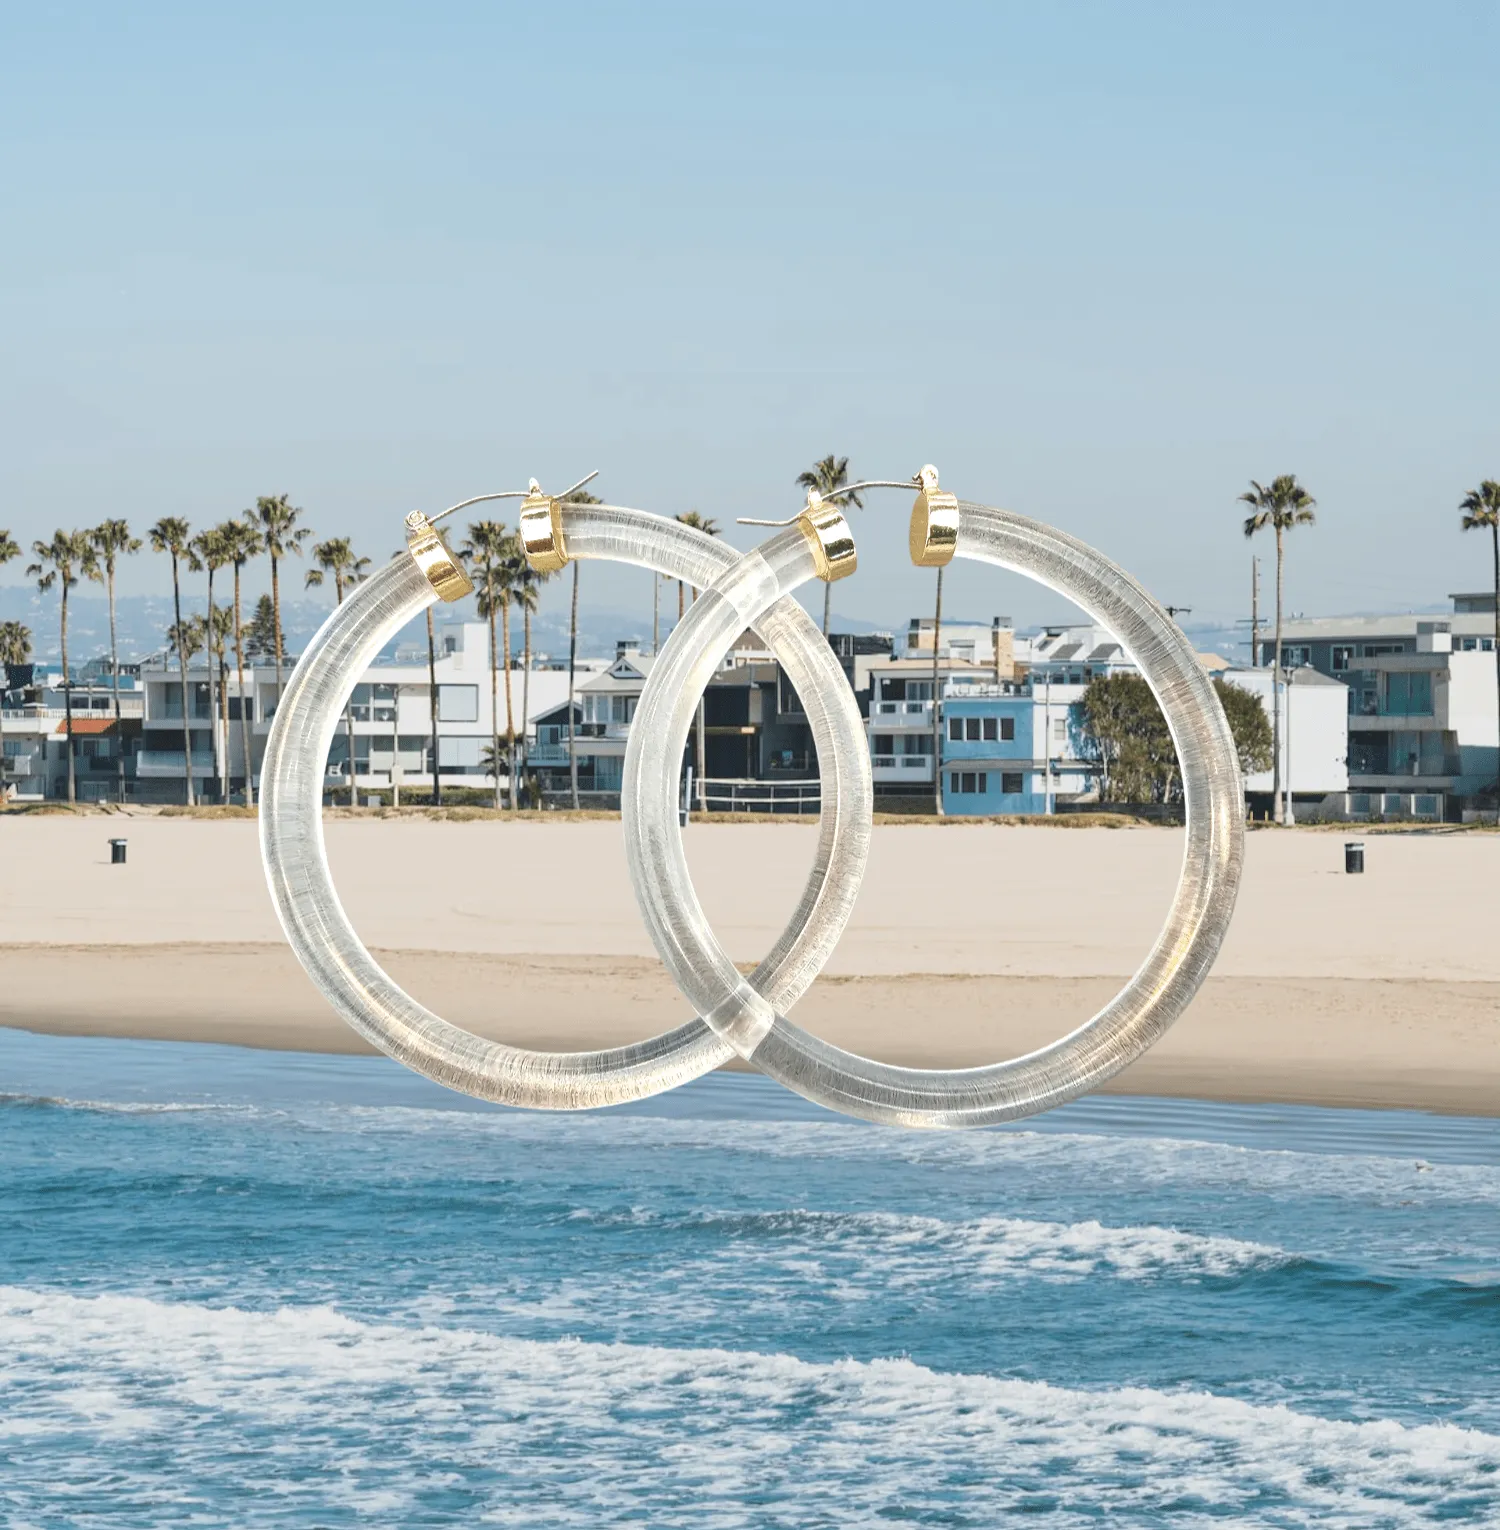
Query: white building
x,y
1314,735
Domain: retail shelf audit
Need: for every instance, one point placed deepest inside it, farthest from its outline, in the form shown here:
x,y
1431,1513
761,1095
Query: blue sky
x,y
1102,264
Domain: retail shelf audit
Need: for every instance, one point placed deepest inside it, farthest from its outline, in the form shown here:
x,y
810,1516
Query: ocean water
x,y
272,1289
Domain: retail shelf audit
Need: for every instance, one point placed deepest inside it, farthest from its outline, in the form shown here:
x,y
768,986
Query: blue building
x,y
1006,745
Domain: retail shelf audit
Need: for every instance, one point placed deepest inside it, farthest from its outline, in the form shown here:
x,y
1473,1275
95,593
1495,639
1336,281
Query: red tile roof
x,y
87,725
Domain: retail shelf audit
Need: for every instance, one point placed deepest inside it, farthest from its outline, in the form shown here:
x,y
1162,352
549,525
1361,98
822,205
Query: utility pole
x,y
937,720
1047,737
1254,612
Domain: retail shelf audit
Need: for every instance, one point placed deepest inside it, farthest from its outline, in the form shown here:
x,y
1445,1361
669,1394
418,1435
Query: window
x,y
1341,657
1295,655
919,743
991,729
956,729
1007,728
919,690
458,753
236,703
1374,650
458,703
1487,644
1059,731
1408,694
953,780
893,690
884,744
1012,783
971,729
968,783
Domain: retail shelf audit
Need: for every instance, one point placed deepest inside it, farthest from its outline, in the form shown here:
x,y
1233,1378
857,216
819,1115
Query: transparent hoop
x,y
324,941
1148,1004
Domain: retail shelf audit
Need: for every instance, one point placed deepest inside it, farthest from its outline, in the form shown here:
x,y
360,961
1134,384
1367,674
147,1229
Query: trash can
x,y
1354,857
117,852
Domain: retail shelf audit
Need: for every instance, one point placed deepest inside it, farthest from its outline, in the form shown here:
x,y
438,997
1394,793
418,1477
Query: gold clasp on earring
x,y
934,523
541,531
430,552
830,538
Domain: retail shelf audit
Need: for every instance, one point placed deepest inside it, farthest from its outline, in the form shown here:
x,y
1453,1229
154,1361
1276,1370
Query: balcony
x,y
902,714
159,763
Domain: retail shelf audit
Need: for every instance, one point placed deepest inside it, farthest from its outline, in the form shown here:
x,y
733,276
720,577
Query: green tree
x,y
1281,505
9,547
61,562
1119,727
491,553
243,543
111,541
335,559
170,535
260,630
1481,512
210,551
709,527
15,649
275,520
824,477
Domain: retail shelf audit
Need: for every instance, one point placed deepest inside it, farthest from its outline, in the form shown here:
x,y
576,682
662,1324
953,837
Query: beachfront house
x,y
1424,731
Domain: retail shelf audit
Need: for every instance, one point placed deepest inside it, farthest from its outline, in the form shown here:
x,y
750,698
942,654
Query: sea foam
x,y
260,1412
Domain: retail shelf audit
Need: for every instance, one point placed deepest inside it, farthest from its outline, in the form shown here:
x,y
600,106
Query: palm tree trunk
x,y
276,619
223,723
114,671
827,605
245,711
1278,810
572,669
187,731
208,647
510,716
68,693
526,697
432,701
937,711
494,698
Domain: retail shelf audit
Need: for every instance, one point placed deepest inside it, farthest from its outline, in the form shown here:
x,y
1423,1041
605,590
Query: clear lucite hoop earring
x,y
942,527
319,931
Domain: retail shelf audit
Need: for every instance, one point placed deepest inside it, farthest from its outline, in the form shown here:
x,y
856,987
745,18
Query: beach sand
x,y
969,943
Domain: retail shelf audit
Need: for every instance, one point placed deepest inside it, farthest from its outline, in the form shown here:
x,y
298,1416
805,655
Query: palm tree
x,y
1481,508
170,535
110,539
336,557
275,521
525,596
582,497
242,542
824,477
220,628
1281,505
492,551
937,711
432,701
711,527
15,649
211,550
60,562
